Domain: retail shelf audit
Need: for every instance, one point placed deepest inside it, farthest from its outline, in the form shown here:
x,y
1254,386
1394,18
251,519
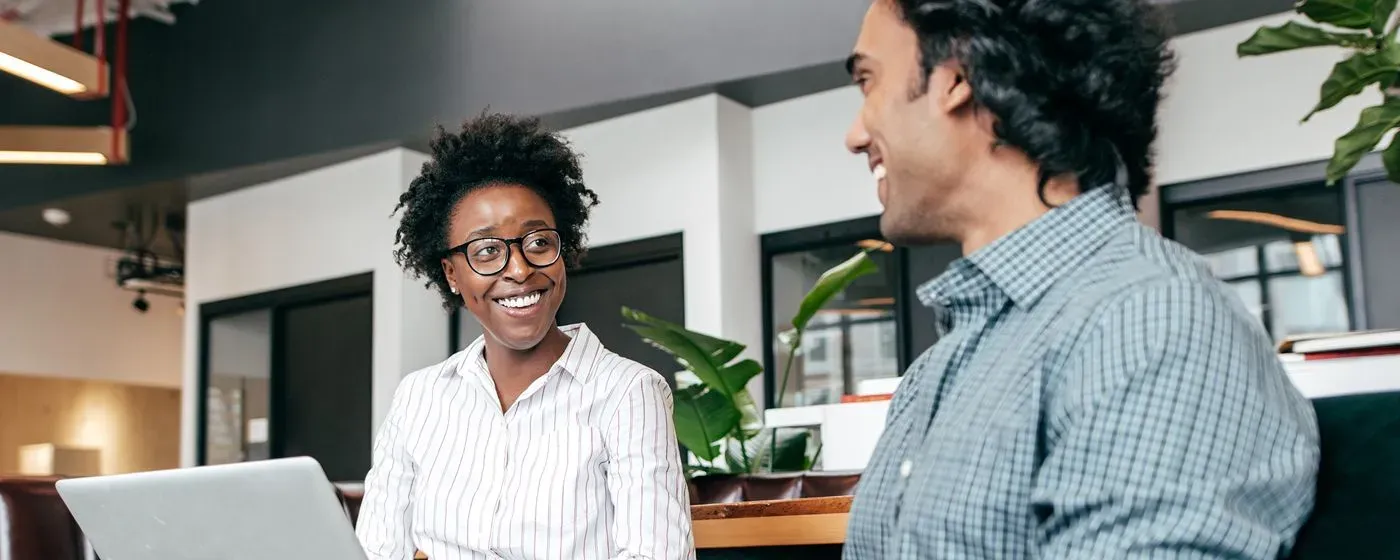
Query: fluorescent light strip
x,y
39,75
64,158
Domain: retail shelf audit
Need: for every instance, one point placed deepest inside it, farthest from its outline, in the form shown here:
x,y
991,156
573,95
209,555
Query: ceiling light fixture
x,y
51,64
72,71
66,145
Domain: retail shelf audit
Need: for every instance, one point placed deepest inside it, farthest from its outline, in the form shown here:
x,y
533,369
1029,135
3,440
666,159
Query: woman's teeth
x,y
879,172
518,302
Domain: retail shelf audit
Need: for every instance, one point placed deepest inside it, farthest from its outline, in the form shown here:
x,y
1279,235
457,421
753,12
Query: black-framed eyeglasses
x,y
488,256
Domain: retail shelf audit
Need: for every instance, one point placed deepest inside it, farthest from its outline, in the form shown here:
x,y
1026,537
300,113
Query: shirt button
x,y
905,468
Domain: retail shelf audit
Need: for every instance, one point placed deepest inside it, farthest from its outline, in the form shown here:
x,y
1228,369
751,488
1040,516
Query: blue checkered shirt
x,y
1095,394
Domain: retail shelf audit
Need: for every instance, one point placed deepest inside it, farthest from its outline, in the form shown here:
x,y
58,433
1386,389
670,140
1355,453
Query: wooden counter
x,y
808,521
773,523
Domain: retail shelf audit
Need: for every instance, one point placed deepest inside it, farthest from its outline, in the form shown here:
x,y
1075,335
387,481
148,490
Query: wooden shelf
x,y
806,521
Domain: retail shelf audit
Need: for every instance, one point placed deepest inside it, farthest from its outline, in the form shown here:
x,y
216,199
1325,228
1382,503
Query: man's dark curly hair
x,y
1074,84
493,149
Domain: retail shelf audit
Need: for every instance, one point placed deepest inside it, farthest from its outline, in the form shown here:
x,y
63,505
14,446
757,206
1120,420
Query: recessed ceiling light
x,y
57,217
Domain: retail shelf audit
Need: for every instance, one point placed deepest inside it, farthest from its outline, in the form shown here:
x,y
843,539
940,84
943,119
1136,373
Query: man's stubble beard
x,y
917,225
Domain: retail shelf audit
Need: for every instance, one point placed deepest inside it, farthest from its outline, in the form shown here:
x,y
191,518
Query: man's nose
x,y
857,138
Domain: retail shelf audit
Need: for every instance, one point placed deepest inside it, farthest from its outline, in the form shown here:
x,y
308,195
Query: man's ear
x,y
949,84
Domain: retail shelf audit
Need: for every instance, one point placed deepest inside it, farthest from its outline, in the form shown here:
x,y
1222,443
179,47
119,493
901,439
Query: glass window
x,y
1308,304
240,363
1250,294
1234,263
853,338
1281,251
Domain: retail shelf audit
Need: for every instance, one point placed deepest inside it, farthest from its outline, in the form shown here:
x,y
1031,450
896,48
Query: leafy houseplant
x,y
1368,29
716,417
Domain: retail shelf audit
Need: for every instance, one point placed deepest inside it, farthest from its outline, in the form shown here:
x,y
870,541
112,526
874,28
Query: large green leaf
x,y
737,456
1391,158
1380,15
1359,71
751,420
1294,35
702,418
703,355
1351,14
1370,128
831,283
719,349
738,374
790,453
684,350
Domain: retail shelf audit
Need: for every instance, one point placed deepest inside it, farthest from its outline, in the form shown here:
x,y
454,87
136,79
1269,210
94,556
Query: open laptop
x,y
261,510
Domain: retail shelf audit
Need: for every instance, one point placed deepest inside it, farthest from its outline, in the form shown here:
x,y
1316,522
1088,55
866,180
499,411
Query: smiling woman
x,y
535,441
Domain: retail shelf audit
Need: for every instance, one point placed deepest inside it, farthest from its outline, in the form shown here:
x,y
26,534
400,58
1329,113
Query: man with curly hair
x,y
1095,393
535,441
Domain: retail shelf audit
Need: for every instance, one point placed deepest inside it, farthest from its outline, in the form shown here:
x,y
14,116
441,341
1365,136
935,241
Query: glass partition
x,y
853,339
1283,251
237,396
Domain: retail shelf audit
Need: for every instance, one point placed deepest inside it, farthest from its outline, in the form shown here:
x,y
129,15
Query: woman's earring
x,y
454,289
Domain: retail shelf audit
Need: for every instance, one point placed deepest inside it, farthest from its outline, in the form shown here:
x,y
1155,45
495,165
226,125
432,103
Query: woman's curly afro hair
x,y
1074,84
493,149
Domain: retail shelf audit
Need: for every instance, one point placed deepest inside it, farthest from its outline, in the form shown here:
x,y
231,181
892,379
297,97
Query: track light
x,y
64,145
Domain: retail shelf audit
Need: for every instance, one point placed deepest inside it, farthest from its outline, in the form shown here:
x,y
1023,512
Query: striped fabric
x,y
585,464
1095,394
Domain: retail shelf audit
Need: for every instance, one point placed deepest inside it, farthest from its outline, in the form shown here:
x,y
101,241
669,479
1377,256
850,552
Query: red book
x,y
866,398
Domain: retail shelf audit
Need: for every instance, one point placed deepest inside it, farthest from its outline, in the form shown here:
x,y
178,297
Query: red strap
x,y
119,83
78,26
99,47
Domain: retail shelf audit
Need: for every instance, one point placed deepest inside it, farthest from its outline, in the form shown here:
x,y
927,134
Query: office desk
x,y
752,526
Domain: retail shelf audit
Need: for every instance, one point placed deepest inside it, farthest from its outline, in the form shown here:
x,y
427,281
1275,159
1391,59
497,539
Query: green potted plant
x,y
1366,28
716,418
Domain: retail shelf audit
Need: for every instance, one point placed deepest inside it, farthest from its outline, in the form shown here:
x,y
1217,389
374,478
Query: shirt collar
x,y
1025,263
579,360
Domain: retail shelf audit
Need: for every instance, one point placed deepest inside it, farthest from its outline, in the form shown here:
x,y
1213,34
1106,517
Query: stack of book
x,y
1343,345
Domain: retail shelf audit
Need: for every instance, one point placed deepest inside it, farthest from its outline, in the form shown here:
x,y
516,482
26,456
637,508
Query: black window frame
x,y
821,236
1282,179
276,302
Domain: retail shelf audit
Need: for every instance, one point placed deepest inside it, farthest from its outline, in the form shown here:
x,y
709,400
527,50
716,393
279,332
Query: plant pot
x,y
726,489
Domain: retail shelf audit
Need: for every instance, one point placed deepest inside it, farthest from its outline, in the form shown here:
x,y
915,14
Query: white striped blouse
x,y
585,464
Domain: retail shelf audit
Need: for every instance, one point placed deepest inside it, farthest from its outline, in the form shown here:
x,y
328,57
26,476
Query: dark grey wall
x,y
1378,206
240,82
236,83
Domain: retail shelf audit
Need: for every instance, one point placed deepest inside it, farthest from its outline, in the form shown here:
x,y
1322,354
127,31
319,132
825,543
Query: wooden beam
x,y
51,64
63,145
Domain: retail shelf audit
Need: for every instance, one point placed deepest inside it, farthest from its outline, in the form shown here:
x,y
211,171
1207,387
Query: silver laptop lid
x,y
280,508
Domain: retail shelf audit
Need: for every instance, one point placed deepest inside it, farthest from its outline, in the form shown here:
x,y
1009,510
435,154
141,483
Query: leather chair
x,y
1358,486
351,496
36,523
